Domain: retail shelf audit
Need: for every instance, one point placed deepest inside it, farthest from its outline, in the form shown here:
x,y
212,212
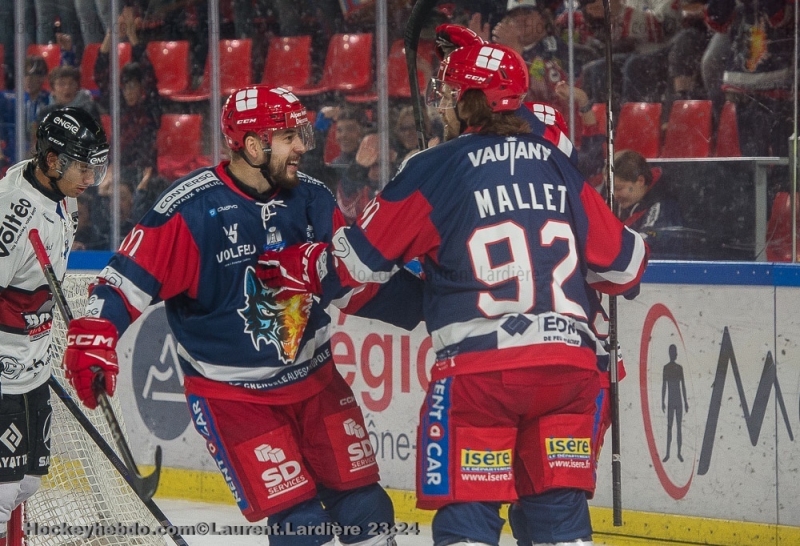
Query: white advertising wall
x,y
726,335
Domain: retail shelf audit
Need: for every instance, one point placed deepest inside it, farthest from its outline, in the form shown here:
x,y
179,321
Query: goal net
x,y
83,488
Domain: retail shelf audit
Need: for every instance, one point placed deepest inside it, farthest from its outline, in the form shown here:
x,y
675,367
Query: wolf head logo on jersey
x,y
280,323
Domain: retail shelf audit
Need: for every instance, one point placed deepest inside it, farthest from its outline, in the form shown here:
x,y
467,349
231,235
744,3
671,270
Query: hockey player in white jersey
x,y
38,193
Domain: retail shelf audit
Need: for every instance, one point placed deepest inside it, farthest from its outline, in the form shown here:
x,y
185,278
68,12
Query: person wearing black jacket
x,y
140,116
645,206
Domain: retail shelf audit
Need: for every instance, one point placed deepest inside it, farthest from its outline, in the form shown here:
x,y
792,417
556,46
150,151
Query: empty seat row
x,y
348,67
688,133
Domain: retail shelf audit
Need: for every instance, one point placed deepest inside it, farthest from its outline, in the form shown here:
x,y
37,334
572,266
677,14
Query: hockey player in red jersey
x,y
277,417
37,194
513,243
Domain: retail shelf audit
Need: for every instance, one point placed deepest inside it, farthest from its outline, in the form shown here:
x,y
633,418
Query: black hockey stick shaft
x,y
613,336
419,13
144,487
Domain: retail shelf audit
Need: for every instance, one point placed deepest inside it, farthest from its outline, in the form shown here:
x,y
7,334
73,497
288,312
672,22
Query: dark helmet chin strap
x,y
264,167
42,164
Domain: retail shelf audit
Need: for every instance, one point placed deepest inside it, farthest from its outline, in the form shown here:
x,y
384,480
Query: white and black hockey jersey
x,y
26,305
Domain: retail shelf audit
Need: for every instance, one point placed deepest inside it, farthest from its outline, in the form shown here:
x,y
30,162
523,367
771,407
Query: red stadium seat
x,y
51,54
89,58
179,142
331,150
728,133
599,109
170,62
105,120
288,62
234,69
779,229
348,66
689,129
639,128
397,72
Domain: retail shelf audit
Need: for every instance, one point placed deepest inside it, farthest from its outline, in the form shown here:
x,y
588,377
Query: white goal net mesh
x,y
83,488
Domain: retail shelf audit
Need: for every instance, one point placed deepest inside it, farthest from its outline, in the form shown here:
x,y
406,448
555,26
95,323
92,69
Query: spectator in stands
x,y
96,235
687,51
645,206
351,125
686,35
758,77
54,17
634,31
354,191
36,98
528,28
181,20
65,83
7,37
140,116
93,18
712,68
147,191
405,139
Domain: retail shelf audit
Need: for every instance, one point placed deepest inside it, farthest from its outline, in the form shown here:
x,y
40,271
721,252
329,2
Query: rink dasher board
x,y
738,465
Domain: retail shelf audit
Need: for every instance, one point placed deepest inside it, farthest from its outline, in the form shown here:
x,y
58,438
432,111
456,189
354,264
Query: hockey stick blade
x,y
419,13
145,487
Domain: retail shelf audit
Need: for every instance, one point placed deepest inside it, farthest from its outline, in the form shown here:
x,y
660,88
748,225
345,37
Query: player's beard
x,y
279,174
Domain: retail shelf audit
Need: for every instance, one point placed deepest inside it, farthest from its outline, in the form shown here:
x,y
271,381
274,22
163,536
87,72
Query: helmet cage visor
x,y
96,167
304,131
442,95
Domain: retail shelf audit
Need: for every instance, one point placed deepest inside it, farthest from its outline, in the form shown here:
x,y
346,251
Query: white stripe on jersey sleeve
x,y
136,297
629,273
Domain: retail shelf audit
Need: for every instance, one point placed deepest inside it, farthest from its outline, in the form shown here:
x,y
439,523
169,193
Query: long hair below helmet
x,y
497,71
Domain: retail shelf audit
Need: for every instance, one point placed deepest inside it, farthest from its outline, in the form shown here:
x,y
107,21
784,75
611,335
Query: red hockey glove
x,y
298,269
91,352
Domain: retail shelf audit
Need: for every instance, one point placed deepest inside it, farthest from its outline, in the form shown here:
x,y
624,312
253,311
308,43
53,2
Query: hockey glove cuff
x,y
91,354
298,269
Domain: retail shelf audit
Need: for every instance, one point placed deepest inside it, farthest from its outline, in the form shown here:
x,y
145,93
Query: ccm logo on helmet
x,y
70,126
90,340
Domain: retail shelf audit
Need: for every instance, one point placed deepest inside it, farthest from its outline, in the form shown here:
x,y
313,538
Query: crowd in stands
x,y
732,56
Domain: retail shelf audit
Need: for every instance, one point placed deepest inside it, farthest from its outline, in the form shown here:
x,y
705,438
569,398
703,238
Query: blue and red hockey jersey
x,y
512,242
196,250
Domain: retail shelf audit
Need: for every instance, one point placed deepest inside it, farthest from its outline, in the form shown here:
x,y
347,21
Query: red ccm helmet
x,y
496,70
262,110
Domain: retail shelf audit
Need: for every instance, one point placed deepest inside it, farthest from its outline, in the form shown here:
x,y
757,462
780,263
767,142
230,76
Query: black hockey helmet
x,y
74,135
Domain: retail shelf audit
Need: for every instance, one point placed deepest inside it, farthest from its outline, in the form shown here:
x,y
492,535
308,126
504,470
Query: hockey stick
x,y
111,455
616,459
145,487
420,12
